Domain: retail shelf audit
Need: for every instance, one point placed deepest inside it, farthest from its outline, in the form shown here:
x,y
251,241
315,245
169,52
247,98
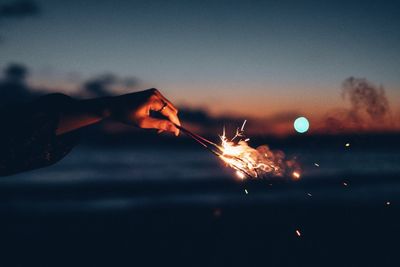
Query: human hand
x,y
135,108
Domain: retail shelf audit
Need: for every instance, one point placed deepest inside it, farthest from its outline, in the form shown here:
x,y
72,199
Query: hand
x,y
134,108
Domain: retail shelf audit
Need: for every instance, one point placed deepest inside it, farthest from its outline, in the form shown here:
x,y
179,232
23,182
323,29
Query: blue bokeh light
x,y
301,125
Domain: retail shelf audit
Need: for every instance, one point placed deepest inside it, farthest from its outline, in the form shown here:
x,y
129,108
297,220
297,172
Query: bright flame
x,y
250,162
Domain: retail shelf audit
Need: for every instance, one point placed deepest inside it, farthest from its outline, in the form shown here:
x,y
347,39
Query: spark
x,y
316,164
309,194
248,162
298,233
388,203
240,174
242,128
347,145
246,191
252,162
345,184
296,175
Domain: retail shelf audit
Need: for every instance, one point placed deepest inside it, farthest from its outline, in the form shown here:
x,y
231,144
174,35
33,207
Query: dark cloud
x,y
19,9
15,73
366,97
13,86
100,86
200,116
369,108
108,84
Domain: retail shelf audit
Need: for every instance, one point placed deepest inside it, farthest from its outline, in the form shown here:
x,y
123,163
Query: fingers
x,y
163,98
160,124
155,101
171,115
168,111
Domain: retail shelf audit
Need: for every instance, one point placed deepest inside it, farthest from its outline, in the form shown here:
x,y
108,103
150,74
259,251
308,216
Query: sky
x,y
239,57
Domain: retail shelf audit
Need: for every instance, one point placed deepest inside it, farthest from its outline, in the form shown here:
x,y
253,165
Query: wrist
x,y
99,107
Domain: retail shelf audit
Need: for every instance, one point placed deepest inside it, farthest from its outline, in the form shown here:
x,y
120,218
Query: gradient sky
x,y
249,57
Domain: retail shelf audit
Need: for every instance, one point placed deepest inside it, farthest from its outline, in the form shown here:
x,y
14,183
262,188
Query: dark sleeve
x,y
28,137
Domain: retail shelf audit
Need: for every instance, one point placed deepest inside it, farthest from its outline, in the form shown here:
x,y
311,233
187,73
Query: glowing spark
x,y
388,203
316,164
253,162
240,174
344,183
298,233
246,191
242,128
309,194
296,175
347,145
247,161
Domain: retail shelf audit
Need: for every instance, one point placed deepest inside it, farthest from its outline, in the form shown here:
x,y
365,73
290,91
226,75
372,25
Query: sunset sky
x,y
241,57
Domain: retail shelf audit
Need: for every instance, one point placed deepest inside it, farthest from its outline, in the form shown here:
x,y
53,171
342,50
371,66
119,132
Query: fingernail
x,y
160,131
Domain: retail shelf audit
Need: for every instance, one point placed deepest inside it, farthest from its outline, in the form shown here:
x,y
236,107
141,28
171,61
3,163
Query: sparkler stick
x,y
203,141
197,136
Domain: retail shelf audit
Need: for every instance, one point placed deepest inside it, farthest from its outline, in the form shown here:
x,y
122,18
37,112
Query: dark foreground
x,y
61,226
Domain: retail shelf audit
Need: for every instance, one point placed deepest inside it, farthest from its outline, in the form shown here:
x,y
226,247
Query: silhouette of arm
x,y
132,109
41,133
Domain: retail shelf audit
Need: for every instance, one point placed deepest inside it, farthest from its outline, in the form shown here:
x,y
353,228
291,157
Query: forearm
x,y
28,137
132,109
83,113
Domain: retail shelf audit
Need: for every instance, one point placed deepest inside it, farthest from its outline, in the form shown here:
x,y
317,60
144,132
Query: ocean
x,y
127,206
182,176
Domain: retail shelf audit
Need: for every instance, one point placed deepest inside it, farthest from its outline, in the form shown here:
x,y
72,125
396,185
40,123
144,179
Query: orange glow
x,y
296,175
250,162
240,174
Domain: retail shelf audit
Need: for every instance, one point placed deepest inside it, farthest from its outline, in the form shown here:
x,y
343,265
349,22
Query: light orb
x,y
301,125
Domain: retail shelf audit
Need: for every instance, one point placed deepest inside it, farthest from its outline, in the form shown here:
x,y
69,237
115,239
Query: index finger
x,y
169,103
158,105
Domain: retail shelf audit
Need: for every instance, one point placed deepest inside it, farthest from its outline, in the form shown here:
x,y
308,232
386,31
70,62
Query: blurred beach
x,y
132,206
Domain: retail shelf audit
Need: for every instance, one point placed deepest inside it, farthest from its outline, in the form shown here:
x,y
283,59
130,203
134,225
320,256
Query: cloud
x,y
19,9
365,97
369,108
100,86
108,84
13,85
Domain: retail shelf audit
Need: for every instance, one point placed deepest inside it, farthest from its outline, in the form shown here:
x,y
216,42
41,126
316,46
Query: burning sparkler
x,y
248,162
